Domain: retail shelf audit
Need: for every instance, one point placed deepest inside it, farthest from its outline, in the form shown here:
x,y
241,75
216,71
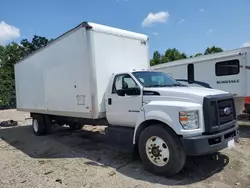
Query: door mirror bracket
x,y
130,92
120,92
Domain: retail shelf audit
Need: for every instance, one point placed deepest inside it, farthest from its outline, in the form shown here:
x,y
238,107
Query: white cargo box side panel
x,y
116,51
56,79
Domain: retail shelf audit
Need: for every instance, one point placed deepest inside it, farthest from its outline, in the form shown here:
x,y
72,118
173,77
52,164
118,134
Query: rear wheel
x,y
39,126
48,124
161,151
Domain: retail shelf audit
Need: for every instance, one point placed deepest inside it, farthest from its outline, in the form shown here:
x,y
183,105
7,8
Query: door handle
x,y
109,101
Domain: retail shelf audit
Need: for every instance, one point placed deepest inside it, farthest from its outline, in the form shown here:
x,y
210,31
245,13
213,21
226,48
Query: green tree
x,y
9,56
36,43
156,58
1,54
212,50
7,88
198,54
173,55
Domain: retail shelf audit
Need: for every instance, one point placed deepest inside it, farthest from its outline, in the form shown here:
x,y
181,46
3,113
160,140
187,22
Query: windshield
x,y
155,79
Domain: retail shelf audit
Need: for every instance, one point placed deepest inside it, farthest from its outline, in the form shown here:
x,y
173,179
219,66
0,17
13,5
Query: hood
x,y
185,93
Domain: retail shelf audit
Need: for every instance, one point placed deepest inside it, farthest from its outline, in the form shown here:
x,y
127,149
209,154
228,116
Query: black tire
x,y
39,126
48,124
76,127
177,156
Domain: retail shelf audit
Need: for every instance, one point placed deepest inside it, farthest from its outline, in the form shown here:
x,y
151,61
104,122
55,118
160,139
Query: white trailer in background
x,y
227,71
95,74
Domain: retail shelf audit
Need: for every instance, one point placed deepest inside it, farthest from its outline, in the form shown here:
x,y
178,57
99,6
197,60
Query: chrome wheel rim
x,y
35,125
157,151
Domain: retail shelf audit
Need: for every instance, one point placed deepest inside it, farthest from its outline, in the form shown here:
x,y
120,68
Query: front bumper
x,y
206,144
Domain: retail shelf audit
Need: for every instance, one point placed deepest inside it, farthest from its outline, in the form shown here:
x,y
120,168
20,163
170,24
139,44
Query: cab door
x,y
124,102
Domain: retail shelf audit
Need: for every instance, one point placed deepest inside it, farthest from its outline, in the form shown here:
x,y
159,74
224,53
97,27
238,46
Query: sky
x,y
189,26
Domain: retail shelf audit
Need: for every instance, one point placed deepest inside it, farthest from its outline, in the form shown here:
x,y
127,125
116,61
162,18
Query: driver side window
x,y
124,82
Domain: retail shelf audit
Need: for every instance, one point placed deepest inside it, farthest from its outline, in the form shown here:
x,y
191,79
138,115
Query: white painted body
x,y
73,77
164,108
69,77
204,71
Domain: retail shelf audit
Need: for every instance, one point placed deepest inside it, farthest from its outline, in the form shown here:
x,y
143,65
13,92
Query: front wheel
x,y
161,151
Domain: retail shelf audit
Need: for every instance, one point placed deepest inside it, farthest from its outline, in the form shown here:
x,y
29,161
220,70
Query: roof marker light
x,y
89,27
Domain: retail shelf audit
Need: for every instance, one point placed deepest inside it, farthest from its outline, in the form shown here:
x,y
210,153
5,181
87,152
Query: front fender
x,y
167,112
159,116
152,115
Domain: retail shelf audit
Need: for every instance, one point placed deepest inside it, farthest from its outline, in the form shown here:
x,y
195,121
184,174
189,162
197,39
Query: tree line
x,y
9,56
14,52
172,54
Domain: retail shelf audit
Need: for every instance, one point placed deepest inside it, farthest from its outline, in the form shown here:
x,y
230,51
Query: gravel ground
x,y
82,159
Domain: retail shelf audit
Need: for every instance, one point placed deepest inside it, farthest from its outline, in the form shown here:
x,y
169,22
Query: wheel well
x,y
146,124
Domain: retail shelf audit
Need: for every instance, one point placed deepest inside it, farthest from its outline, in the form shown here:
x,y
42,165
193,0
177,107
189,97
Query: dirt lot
x,y
82,159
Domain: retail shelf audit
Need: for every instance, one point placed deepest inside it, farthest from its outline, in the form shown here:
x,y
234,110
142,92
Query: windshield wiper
x,y
160,85
167,85
181,85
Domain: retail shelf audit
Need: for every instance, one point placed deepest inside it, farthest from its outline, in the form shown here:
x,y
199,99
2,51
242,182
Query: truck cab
x,y
170,120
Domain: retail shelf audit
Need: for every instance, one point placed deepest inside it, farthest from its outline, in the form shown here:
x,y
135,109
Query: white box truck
x,y
95,74
227,71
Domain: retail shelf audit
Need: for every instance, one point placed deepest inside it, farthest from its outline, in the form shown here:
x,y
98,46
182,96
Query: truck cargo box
x,y
69,76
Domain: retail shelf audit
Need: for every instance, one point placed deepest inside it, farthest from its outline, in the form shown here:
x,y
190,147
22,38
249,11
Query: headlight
x,y
189,119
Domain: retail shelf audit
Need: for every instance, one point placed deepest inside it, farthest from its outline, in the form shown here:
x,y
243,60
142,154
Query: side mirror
x,y
130,92
120,92
137,91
